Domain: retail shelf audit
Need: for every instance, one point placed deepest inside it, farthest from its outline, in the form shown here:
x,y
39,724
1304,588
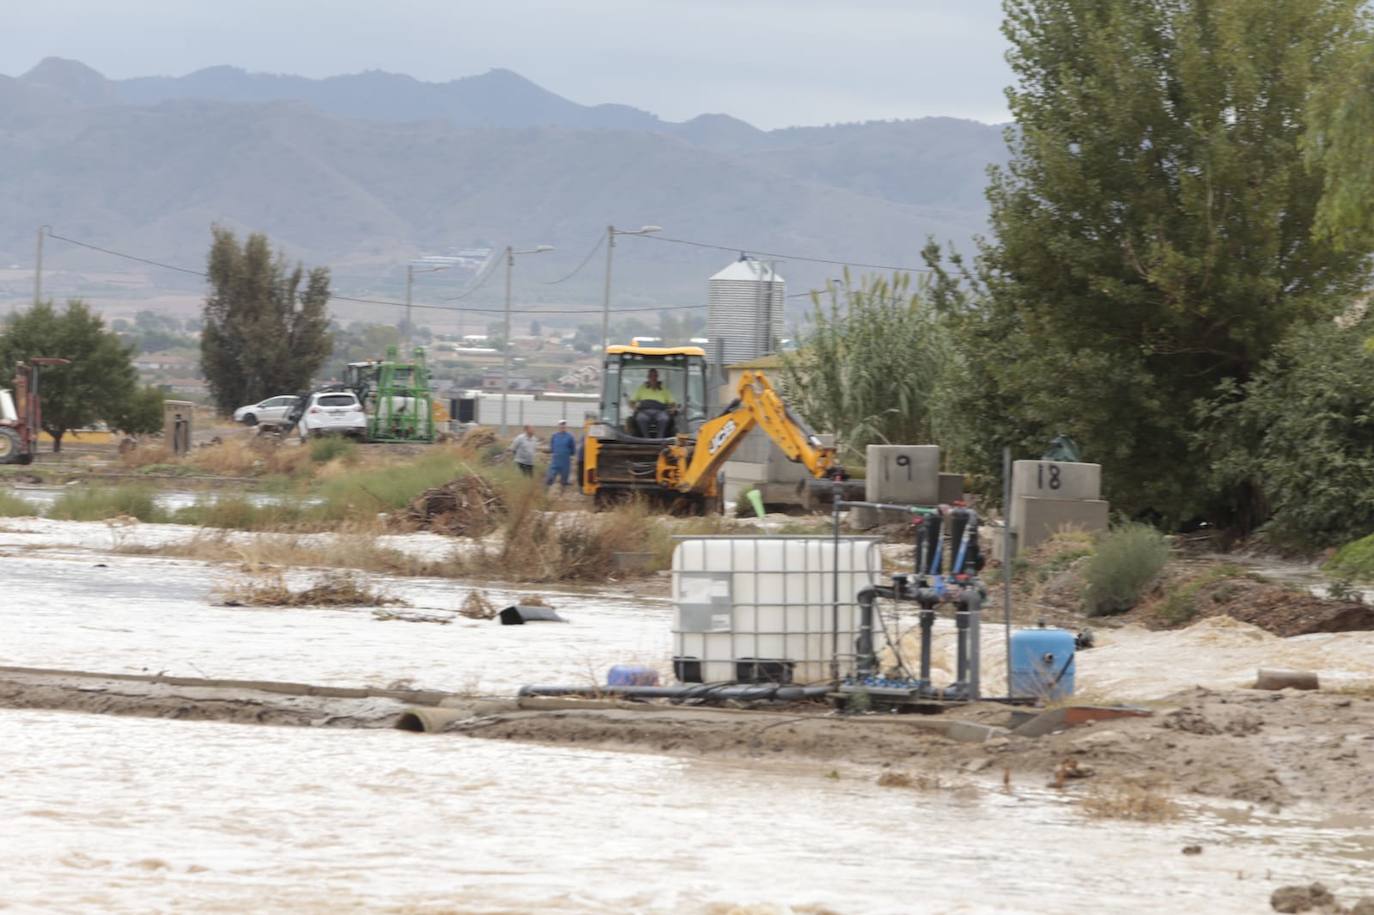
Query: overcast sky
x,y
773,63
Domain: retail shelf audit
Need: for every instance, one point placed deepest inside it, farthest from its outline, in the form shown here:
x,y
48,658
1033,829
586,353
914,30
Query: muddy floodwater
x,y
127,814
114,814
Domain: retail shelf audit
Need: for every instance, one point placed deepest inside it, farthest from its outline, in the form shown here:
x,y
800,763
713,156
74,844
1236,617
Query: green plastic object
x,y
755,499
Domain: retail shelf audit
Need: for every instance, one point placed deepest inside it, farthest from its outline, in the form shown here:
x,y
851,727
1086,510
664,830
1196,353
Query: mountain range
x,y
367,170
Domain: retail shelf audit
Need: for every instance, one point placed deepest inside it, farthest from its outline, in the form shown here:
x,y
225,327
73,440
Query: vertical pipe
x,y
975,655
961,625
1006,558
835,585
927,624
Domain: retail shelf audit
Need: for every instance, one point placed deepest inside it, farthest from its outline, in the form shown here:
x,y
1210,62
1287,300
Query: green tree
x,y
1153,230
266,328
99,383
142,413
875,366
1301,432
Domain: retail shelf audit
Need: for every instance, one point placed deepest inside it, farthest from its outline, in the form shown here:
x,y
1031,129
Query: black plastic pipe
x,y
746,693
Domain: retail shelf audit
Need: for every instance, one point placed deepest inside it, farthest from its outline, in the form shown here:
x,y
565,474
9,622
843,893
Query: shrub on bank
x,y
11,506
100,503
1125,563
332,447
1354,561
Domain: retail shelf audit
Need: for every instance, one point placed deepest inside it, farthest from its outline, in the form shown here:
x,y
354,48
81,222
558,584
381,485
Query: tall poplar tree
x,y
266,325
1153,231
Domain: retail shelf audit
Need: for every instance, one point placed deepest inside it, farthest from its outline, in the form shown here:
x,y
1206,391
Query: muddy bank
x,y
236,701
1263,748
1269,749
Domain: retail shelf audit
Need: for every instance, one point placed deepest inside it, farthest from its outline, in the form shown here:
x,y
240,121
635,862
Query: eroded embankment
x,y
1266,748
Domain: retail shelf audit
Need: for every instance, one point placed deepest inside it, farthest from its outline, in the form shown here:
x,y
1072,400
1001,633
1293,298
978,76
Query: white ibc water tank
x,y
745,317
745,605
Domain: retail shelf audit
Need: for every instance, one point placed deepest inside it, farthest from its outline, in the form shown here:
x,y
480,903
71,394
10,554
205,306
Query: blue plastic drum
x,y
1042,663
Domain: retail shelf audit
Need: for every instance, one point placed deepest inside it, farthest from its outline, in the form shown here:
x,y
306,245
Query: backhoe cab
x,y
654,437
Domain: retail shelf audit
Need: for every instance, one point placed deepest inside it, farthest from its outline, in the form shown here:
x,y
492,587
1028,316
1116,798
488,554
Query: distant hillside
x,y
367,170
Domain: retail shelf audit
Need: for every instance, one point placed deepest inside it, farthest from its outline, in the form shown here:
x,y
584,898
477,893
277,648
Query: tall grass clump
x,y
237,513
11,506
100,503
538,545
331,448
1125,563
367,491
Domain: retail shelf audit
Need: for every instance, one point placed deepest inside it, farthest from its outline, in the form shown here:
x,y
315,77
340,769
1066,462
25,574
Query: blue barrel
x,y
631,675
1042,662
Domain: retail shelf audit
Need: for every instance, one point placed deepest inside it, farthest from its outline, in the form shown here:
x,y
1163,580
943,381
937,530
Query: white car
x,y
271,412
333,413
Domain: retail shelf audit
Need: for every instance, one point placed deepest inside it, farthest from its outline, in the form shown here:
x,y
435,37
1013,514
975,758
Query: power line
x,y
786,257
484,278
601,240
131,257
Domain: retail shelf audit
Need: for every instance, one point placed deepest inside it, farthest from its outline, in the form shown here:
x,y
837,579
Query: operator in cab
x,y
652,402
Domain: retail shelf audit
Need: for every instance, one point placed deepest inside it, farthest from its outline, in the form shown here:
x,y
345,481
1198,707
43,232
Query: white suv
x,y
333,413
271,412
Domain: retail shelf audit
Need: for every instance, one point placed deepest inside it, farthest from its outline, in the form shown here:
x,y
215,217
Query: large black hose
x,y
703,692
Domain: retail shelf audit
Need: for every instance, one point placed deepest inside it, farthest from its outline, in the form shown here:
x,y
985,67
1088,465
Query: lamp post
x,y
611,233
505,344
409,335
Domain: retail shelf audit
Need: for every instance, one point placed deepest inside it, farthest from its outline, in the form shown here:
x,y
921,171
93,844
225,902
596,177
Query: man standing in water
x,y
562,446
523,447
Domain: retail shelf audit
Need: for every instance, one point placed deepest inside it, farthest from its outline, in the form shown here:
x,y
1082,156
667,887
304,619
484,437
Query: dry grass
x,y
1140,802
539,545
906,780
477,606
354,547
270,589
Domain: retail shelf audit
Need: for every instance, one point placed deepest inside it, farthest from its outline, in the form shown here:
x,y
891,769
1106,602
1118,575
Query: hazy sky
x,y
772,62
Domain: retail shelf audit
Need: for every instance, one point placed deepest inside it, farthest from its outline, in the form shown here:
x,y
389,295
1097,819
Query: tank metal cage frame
x,y
708,604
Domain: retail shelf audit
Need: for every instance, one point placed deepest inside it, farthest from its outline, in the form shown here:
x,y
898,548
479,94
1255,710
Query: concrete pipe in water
x,y
429,720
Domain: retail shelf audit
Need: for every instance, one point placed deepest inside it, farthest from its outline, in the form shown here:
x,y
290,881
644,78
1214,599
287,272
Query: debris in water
x,y
476,606
468,506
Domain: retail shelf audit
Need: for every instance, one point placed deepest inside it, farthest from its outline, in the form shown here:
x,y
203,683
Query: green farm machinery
x,y
395,396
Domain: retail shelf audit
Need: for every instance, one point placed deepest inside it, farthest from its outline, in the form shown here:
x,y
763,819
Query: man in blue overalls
x,y
562,446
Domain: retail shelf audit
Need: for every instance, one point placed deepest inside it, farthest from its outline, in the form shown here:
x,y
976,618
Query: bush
x,y
94,503
240,514
1125,563
11,506
1354,561
1300,438
331,447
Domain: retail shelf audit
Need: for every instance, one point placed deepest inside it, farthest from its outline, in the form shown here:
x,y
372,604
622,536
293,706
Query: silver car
x,y
271,412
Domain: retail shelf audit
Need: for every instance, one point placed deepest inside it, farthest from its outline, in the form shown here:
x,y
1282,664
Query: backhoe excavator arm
x,y
691,464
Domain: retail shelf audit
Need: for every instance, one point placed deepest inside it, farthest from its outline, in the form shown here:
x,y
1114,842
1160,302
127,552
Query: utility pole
x,y
505,341
611,233
410,281
506,344
38,267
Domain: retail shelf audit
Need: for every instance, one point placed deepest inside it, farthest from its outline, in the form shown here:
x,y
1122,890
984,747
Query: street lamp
x,y
611,233
410,281
505,361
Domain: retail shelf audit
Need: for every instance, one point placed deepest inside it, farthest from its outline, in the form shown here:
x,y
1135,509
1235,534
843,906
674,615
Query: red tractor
x,y
21,415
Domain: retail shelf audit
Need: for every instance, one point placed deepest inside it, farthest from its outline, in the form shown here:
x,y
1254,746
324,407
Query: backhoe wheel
x,y
10,450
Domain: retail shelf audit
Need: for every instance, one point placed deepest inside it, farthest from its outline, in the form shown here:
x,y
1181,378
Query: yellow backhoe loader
x,y
653,437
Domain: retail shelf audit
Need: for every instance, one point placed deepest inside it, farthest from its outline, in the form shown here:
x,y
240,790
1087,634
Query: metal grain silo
x,y
745,317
